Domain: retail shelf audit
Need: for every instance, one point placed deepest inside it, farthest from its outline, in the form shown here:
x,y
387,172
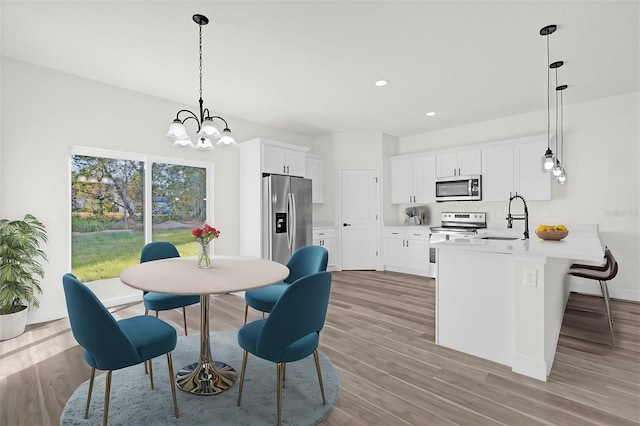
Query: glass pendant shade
x,y
562,178
557,169
227,138
183,143
177,131
208,129
204,144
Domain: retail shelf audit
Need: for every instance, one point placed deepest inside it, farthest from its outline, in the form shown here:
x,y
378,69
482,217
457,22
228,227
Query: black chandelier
x,y
206,128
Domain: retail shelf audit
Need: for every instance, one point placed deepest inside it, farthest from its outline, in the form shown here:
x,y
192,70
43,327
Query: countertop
x,y
583,243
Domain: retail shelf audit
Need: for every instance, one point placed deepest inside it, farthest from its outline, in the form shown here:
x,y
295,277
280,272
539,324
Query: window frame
x,y
148,160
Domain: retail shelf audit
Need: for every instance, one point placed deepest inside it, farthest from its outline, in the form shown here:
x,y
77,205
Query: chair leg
x,y
151,373
93,376
107,391
172,381
284,373
246,312
607,305
244,368
317,359
280,369
156,314
184,317
146,312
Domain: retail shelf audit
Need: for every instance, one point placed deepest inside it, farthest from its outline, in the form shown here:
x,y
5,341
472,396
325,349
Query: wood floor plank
x,y
379,335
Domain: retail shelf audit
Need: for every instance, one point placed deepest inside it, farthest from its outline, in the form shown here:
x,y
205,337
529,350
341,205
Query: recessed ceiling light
x,y
381,83
431,114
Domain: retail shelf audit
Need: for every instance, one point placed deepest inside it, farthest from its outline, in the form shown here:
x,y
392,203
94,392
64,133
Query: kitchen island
x,y
504,299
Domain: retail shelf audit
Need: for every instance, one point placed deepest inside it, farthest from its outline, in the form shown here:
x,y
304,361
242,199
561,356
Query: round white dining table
x,y
182,275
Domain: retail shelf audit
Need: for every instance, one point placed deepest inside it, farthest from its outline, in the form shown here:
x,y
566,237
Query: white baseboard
x,y
407,271
530,367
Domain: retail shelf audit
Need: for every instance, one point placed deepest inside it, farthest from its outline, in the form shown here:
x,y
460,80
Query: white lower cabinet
x,y
325,237
406,250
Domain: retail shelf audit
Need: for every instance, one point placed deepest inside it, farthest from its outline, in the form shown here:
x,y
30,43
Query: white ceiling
x,y
309,67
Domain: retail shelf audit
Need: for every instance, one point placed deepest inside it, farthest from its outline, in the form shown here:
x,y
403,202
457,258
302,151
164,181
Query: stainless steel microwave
x,y
459,188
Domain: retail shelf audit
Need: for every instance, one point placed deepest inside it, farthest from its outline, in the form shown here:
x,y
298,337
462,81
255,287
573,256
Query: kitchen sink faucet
x,y
525,216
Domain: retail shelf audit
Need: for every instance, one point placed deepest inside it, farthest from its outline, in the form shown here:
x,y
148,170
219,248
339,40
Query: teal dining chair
x,y
304,261
291,332
158,250
112,345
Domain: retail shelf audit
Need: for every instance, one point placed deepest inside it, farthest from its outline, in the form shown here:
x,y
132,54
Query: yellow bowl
x,y
552,235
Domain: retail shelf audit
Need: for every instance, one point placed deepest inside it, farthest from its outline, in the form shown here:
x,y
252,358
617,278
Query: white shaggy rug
x,y
133,402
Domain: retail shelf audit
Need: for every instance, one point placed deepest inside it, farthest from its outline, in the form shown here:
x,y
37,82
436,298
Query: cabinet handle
x,y
284,169
394,233
321,233
287,169
402,243
407,243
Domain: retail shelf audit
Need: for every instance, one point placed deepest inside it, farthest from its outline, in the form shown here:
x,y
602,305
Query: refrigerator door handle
x,y
292,220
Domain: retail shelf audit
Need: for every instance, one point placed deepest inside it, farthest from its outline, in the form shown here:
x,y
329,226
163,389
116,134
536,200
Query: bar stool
x,y
603,274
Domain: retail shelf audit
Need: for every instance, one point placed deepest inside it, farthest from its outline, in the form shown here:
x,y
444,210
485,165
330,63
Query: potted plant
x,y
20,272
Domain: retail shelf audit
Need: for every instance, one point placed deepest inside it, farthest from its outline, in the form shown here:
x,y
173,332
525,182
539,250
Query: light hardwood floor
x,y
380,336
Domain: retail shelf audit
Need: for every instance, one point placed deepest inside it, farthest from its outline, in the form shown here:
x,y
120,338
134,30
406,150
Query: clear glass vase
x,y
204,261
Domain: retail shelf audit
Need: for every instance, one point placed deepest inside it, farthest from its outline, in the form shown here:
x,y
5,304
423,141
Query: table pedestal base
x,y
206,378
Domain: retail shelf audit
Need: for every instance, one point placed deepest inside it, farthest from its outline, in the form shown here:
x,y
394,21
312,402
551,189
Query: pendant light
x,y
562,177
548,155
557,167
206,128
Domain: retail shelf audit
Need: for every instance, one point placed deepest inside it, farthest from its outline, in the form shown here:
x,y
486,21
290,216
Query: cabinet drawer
x,y
418,235
319,234
395,233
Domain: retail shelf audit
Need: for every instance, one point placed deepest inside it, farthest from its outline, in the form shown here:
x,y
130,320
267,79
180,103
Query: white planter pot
x,y
13,325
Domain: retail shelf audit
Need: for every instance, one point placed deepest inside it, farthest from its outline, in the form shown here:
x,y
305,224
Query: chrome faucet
x,y
525,216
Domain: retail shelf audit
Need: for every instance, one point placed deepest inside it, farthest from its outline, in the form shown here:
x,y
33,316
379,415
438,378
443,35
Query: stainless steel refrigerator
x,y
287,216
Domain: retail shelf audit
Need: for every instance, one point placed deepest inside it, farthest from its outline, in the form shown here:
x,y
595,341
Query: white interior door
x,y
359,219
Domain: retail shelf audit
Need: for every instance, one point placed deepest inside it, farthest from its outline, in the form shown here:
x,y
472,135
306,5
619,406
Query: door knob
x,y
346,224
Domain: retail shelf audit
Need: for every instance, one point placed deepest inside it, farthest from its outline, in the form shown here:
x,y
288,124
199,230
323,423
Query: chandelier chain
x,y
200,26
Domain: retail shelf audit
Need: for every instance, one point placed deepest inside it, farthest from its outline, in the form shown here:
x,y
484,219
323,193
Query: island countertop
x,y
582,243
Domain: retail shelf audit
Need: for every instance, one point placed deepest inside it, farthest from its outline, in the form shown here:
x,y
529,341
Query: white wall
x,y
44,112
350,150
603,184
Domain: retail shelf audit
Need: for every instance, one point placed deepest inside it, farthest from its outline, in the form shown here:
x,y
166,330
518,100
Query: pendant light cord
x,y
562,127
548,96
557,112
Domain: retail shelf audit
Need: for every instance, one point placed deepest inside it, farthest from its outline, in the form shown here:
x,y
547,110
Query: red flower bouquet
x,y
204,236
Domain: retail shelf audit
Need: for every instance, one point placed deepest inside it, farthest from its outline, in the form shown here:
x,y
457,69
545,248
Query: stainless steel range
x,y
460,224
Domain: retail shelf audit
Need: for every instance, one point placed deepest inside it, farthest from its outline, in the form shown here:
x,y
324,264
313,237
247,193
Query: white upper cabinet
x,y
515,167
283,161
412,179
529,179
315,172
497,179
459,163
